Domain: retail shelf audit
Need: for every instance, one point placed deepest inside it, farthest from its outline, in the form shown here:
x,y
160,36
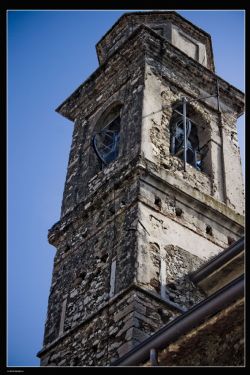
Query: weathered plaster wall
x,y
221,177
232,164
191,46
159,99
175,237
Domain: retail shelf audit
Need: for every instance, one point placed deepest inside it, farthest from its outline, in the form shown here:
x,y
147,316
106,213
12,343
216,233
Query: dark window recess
x,y
158,202
82,275
67,248
177,141
104,258
158,30
209,230
165,316
178,211
106,142
230,240
123,203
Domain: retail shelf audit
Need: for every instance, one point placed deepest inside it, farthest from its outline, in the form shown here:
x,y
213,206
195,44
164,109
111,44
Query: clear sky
x,y
50,53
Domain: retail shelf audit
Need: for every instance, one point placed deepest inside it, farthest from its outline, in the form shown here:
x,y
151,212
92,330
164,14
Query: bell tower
x,y
153,189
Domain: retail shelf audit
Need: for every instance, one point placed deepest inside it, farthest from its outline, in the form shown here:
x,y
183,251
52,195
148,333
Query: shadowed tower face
x,y
153,189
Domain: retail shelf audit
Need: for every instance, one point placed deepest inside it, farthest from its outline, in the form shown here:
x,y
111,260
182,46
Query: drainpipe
x,y
154,358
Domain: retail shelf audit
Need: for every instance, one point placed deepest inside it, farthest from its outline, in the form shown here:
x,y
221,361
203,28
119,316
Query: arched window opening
x,y
194,155
106,141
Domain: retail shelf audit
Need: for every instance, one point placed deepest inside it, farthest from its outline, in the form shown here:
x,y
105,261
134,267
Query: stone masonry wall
x,y
116,82
99,236
150,248
118,326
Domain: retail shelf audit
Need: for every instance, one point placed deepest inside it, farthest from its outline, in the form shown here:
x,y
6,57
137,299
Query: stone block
x,y
123,312
123,349
137,334
74,293
132,322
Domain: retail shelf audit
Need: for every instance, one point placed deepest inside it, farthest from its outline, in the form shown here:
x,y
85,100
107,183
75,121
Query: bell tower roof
x,y
189,38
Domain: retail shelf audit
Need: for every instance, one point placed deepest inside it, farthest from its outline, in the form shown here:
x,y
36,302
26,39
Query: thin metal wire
x,y
202,98
218,95
188,101
184,110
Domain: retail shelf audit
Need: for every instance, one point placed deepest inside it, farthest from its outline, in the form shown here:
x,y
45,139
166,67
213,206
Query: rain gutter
x,y
184,323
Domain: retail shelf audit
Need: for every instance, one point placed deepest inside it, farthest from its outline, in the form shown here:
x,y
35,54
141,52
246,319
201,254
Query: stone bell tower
x,y
153,189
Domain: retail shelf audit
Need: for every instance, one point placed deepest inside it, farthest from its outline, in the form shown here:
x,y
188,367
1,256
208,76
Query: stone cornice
x,y
150,37
131,288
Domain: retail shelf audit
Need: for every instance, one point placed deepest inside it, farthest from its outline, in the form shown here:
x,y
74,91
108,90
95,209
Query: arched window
x,y
194,156
106,139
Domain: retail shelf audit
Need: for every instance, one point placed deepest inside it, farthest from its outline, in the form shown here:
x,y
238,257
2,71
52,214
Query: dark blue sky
x,y
50,53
